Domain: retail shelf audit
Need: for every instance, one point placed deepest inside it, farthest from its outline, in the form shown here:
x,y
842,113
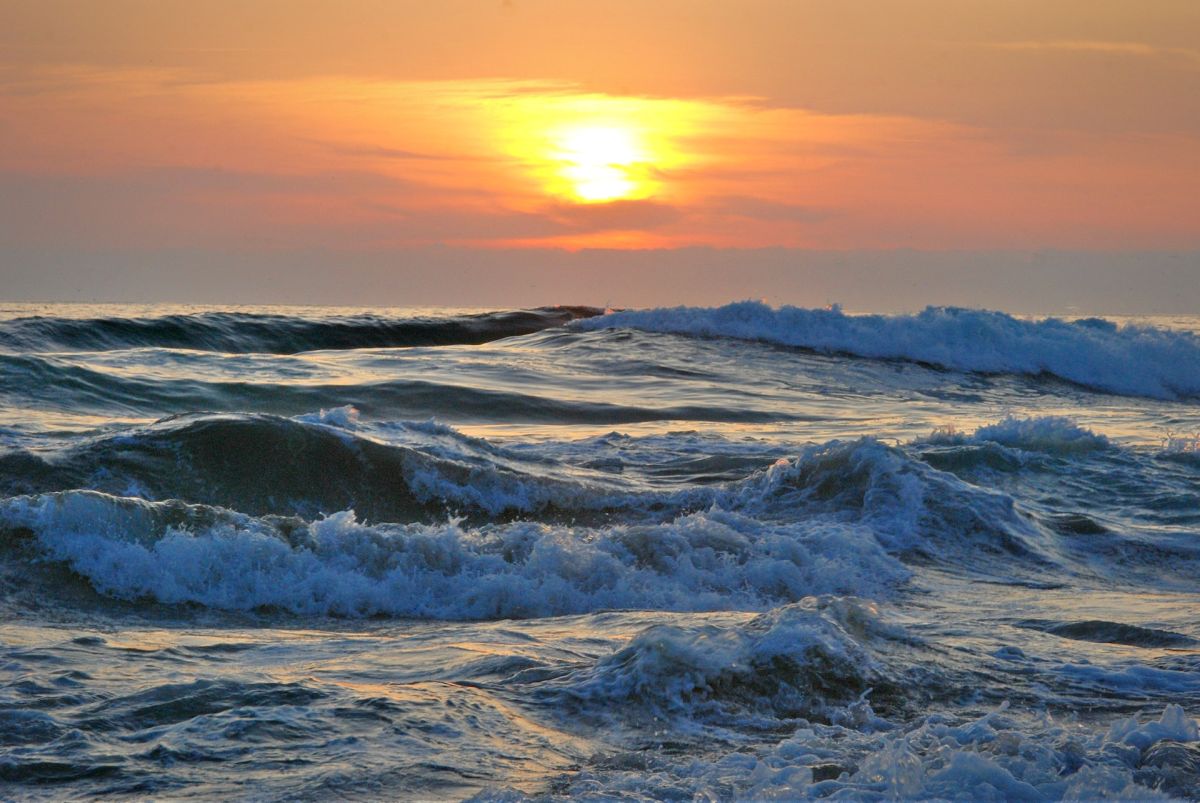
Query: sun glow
x,y
601,162
565,149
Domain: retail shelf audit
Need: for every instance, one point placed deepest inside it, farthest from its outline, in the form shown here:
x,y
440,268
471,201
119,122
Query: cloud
x,y
762,209
617,215
213,209
381,152
1136,49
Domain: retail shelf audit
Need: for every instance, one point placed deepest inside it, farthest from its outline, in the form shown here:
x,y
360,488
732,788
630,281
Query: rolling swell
x,y
1095,353
320,464
262,464
25,378
244,333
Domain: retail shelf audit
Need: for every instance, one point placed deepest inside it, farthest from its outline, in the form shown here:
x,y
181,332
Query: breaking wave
x,y
811,658
1127,360
1054,435
844,517
170,552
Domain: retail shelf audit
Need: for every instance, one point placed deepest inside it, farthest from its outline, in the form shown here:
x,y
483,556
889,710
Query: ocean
x,y
679,554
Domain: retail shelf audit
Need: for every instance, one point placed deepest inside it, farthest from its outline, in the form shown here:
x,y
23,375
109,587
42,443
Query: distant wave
x,y
243,333
1126,360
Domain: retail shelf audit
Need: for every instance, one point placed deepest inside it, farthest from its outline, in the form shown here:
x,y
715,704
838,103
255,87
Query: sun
x,y
592,150
601,163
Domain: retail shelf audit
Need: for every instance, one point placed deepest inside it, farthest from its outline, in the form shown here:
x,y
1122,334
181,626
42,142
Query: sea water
x,y
729,553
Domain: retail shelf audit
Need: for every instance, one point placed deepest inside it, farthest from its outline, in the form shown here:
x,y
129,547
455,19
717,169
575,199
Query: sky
x,y
1034,156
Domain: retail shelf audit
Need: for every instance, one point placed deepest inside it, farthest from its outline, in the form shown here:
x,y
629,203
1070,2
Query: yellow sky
x,y
366,124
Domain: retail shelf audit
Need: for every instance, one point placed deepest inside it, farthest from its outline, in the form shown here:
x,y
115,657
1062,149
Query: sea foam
x,y
997,756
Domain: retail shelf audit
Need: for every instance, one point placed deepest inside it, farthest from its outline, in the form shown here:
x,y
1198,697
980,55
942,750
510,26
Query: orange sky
x,y
373,125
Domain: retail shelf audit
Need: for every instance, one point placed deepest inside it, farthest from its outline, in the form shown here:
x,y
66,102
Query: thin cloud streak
x,y
1138,49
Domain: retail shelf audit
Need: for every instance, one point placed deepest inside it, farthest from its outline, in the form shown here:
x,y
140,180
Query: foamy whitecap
x,y
711,560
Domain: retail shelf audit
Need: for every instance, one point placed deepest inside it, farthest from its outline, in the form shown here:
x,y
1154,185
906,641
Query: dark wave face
x,y
250,332
737,553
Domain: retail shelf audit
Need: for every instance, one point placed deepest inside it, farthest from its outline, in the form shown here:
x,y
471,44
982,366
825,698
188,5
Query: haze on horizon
x,y
1029,156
